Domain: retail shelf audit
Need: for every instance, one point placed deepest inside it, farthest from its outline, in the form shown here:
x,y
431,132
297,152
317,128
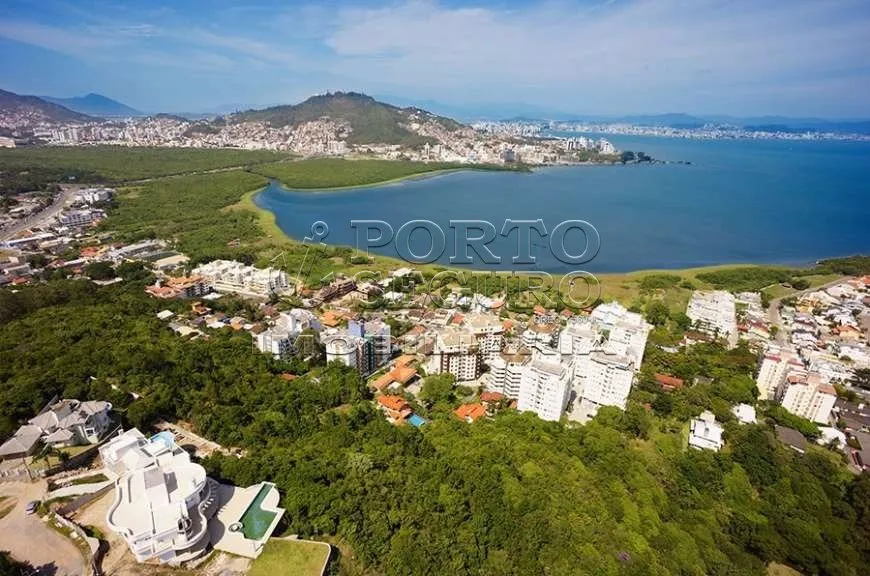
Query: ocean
x,y
739,201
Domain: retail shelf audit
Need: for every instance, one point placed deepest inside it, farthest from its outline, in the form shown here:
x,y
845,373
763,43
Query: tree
x,y
99,271
657,313
682,320
861,378
437,388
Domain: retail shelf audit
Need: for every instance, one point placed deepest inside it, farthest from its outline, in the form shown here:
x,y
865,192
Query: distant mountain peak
x,y
95,104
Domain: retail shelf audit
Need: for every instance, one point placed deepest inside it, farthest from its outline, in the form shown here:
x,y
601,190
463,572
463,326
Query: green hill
x,y
371,122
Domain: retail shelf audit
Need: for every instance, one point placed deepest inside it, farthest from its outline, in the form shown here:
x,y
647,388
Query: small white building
x,y
744,413
705,433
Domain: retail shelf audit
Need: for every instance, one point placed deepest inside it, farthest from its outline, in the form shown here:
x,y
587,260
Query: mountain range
x,y
95,105
32,109
376,120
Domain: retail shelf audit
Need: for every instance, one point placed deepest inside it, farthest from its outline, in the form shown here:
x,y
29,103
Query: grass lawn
x,y
290,558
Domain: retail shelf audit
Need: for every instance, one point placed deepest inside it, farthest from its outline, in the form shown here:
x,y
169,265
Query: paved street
x,y
28,538
41,218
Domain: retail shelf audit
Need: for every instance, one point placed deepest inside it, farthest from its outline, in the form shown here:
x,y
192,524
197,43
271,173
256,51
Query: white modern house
x,y
745,414
163,501
705,433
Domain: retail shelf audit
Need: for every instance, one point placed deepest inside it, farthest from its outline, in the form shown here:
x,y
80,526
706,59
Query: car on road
x,y
31,507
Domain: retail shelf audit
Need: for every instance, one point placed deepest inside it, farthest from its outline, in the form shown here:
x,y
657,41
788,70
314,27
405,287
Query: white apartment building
x,y
79,217
280,340
229,276
705,433
378,344
774,367
506,371
163,501
629,336
601,379
715,313
545,387
456,351
539,336
489,333
341,347
579,337
805,395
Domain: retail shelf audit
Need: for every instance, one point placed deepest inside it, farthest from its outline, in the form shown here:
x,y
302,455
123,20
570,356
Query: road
x,y
774,317
40,218
28,538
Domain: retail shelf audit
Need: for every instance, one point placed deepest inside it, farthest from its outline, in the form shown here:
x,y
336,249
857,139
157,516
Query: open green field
x,y
334,173
118,163
291,558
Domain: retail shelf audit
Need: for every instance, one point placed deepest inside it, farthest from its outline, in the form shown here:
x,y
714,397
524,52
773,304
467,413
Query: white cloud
x,y
619,56
666,45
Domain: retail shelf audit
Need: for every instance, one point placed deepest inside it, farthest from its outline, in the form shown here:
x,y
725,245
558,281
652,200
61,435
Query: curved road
x,y
42,217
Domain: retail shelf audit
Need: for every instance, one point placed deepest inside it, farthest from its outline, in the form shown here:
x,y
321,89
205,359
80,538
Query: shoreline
x,y
272,230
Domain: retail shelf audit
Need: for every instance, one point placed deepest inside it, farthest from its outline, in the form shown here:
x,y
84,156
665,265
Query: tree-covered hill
x,y
370,121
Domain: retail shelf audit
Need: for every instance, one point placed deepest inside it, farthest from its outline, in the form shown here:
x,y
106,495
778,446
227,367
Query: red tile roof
x,y
491,397
395,403
669,382
470,412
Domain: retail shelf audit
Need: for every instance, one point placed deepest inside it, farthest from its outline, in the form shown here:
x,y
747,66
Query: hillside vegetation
x,y
511,496
370,121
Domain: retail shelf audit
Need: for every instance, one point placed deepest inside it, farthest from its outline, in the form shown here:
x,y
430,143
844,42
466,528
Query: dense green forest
x,y
338,173
510,496
35,168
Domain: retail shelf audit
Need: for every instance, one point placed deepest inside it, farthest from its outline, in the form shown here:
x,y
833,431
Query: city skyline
x,y
611,57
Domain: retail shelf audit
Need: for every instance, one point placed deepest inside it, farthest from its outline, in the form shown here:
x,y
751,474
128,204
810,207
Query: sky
x,y
737,57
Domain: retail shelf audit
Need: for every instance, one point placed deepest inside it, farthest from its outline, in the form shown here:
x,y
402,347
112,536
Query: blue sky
x,y
741,57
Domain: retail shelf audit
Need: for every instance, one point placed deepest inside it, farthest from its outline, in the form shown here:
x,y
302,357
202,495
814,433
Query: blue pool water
x,y
416,420
789,202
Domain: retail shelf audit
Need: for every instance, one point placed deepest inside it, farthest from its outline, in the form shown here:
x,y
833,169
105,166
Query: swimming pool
x,y
256,521
416,420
